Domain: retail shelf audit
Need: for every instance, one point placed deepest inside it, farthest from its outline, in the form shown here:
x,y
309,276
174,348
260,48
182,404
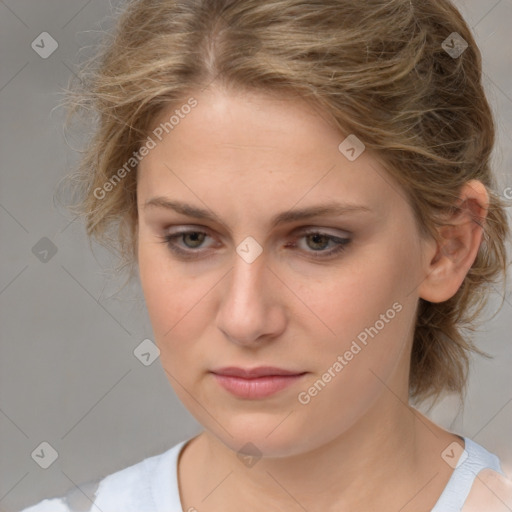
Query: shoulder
x,y
128,489
476,483
491,491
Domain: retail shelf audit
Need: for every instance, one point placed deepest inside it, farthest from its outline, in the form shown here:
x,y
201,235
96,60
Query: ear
x,y
449,260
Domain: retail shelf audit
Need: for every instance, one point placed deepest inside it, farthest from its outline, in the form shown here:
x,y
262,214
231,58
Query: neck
x,y
377,464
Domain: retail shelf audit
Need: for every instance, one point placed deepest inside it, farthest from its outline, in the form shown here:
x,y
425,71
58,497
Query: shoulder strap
x,y
457,490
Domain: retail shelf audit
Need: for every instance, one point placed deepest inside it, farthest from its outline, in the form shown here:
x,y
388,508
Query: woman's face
x,y
242,290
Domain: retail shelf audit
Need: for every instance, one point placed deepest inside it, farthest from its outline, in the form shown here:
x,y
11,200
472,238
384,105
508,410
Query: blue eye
x,y
194,239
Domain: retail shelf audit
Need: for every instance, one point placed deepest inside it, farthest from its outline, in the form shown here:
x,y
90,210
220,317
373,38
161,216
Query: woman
x,y
306,194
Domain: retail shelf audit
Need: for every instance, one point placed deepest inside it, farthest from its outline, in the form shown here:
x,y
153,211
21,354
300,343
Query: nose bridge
x,y
249,270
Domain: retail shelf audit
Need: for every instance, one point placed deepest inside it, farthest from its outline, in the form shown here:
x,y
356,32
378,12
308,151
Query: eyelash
x,y
168,239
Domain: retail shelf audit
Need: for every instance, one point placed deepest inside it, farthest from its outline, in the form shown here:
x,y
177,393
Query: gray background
x,y
68,375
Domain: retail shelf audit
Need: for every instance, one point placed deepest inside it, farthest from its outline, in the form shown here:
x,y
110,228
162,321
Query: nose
x,y
251,310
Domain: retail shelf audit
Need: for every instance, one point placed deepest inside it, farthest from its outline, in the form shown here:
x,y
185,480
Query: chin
x,y
269,437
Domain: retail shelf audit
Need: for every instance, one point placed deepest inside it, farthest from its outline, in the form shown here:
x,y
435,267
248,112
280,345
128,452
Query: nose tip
x,y
249,312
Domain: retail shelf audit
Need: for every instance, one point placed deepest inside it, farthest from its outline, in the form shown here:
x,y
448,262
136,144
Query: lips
x,y
252,373
255,383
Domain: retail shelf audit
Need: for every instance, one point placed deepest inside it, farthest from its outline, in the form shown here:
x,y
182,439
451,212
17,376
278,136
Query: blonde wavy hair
x,y
378,69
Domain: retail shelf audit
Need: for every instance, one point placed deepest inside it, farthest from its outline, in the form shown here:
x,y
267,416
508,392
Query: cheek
x,y
172,298
354,298
344,389
366,315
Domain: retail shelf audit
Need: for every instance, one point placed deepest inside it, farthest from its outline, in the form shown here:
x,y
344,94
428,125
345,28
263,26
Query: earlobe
x,y
460,239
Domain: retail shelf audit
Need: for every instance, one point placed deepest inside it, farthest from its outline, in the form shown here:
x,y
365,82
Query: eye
x,y
192,239
319,240
316,239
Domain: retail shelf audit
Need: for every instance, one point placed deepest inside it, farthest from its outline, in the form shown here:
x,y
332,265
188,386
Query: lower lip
x,y
259,387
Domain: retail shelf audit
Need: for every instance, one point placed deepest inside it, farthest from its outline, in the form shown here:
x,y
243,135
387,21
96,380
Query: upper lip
x,y
260,371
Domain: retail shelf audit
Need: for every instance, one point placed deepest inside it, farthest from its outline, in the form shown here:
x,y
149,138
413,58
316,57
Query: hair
x,y
378,69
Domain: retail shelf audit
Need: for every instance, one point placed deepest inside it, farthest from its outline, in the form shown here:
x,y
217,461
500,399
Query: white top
x,y
152,485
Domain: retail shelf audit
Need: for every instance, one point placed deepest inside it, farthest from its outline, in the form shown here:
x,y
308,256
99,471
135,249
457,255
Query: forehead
x,y
259,149
249,121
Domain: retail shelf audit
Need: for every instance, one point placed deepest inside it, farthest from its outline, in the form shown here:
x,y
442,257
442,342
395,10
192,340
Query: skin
x,y
247,157
491,492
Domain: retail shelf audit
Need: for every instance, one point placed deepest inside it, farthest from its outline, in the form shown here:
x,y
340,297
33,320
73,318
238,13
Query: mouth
x,y
256,383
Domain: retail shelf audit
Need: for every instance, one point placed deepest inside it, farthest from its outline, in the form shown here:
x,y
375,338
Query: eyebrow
x,y
325,209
